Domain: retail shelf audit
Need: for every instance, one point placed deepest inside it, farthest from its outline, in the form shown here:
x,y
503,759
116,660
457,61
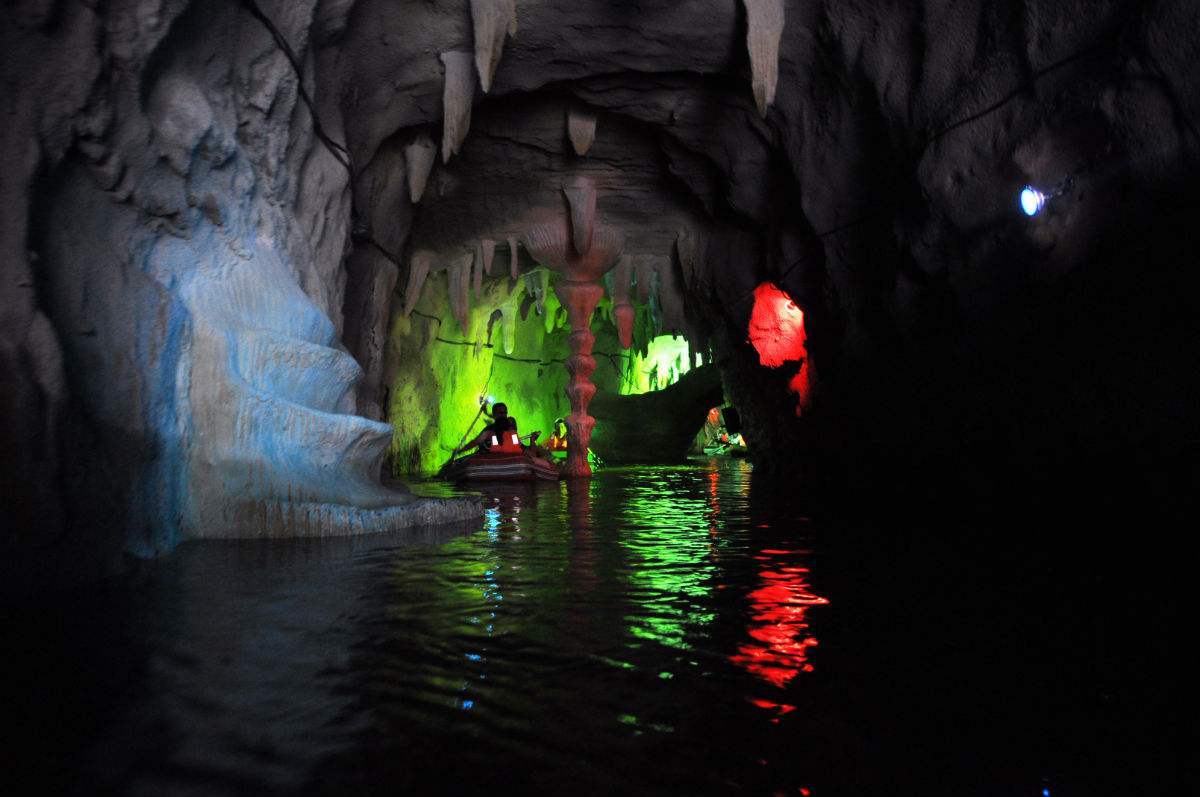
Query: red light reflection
x,y
778,651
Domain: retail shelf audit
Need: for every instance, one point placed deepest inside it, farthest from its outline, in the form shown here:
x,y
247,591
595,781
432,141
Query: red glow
x,y
800,386
777,334
776,326
778,651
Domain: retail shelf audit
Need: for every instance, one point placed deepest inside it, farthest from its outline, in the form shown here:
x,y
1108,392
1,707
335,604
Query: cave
x,y
269,265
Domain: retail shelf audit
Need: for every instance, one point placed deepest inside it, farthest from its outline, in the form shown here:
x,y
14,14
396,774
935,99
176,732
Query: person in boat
x,y
558,440
502,423
714,430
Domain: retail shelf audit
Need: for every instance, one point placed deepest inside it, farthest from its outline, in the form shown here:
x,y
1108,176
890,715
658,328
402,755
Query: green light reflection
x,y
670,541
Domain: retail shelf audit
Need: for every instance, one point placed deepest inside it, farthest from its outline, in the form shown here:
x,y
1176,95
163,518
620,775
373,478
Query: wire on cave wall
x,y
612,358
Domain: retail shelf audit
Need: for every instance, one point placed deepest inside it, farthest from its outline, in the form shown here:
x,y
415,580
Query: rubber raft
x,y
503,463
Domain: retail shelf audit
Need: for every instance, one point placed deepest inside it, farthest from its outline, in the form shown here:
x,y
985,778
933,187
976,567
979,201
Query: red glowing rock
x,y
777,334
776,327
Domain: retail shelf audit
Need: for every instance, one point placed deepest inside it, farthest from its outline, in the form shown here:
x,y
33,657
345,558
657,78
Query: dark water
x,y
661,631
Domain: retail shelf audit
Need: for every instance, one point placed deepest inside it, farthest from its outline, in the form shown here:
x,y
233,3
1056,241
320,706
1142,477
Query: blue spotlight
x,y
1032,200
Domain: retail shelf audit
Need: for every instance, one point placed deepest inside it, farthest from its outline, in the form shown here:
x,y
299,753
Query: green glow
x,y
435,385
665,360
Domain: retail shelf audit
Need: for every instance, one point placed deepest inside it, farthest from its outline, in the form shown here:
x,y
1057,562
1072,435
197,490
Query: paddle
x,y
466,434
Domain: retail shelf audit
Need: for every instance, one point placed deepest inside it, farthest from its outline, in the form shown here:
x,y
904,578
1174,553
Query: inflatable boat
x,y
503,461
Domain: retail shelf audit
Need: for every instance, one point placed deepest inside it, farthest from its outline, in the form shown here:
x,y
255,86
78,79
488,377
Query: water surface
x,y
657,631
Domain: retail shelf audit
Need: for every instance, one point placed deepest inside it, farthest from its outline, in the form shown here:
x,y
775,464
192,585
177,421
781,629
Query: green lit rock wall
x,y
436,371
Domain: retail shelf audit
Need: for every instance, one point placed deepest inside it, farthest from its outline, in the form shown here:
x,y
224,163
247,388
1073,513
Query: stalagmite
x,y
488,247
581,195
491,20
418,270
513,263
763,30
418,162
581,127
457,95
623,311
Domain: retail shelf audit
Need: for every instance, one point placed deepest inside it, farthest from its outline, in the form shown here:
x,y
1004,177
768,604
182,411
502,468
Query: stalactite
x,y
623,312
581,195
508,320
513,263
477,271
763,30
488,248
418,162
581,128
543,289
458,276
646,274
512,17
491,20
690,247
418,270
532,288
457,95
670,297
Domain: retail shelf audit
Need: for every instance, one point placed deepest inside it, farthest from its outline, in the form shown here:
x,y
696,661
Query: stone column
x,y
582,251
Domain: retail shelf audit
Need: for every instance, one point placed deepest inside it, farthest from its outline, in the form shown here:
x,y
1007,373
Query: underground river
x,y
667,630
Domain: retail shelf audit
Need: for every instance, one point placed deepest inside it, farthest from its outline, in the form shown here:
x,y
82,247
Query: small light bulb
x,y
1032,201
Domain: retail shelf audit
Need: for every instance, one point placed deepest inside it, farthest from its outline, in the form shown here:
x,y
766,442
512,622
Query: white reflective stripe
x,y
515,440
495,441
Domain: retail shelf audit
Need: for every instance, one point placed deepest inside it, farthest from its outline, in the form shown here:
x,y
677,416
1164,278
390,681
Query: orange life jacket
x,y
506,442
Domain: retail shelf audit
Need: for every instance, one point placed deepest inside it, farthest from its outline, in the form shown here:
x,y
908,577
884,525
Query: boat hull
x,y
499,467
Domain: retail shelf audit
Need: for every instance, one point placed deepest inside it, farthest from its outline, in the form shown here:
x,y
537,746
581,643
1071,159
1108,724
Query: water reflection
x,y
779,625
644,633
671,562
576,623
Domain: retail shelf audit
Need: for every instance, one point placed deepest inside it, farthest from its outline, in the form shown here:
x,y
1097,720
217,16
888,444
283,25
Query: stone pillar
x,y
580,299
582,251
